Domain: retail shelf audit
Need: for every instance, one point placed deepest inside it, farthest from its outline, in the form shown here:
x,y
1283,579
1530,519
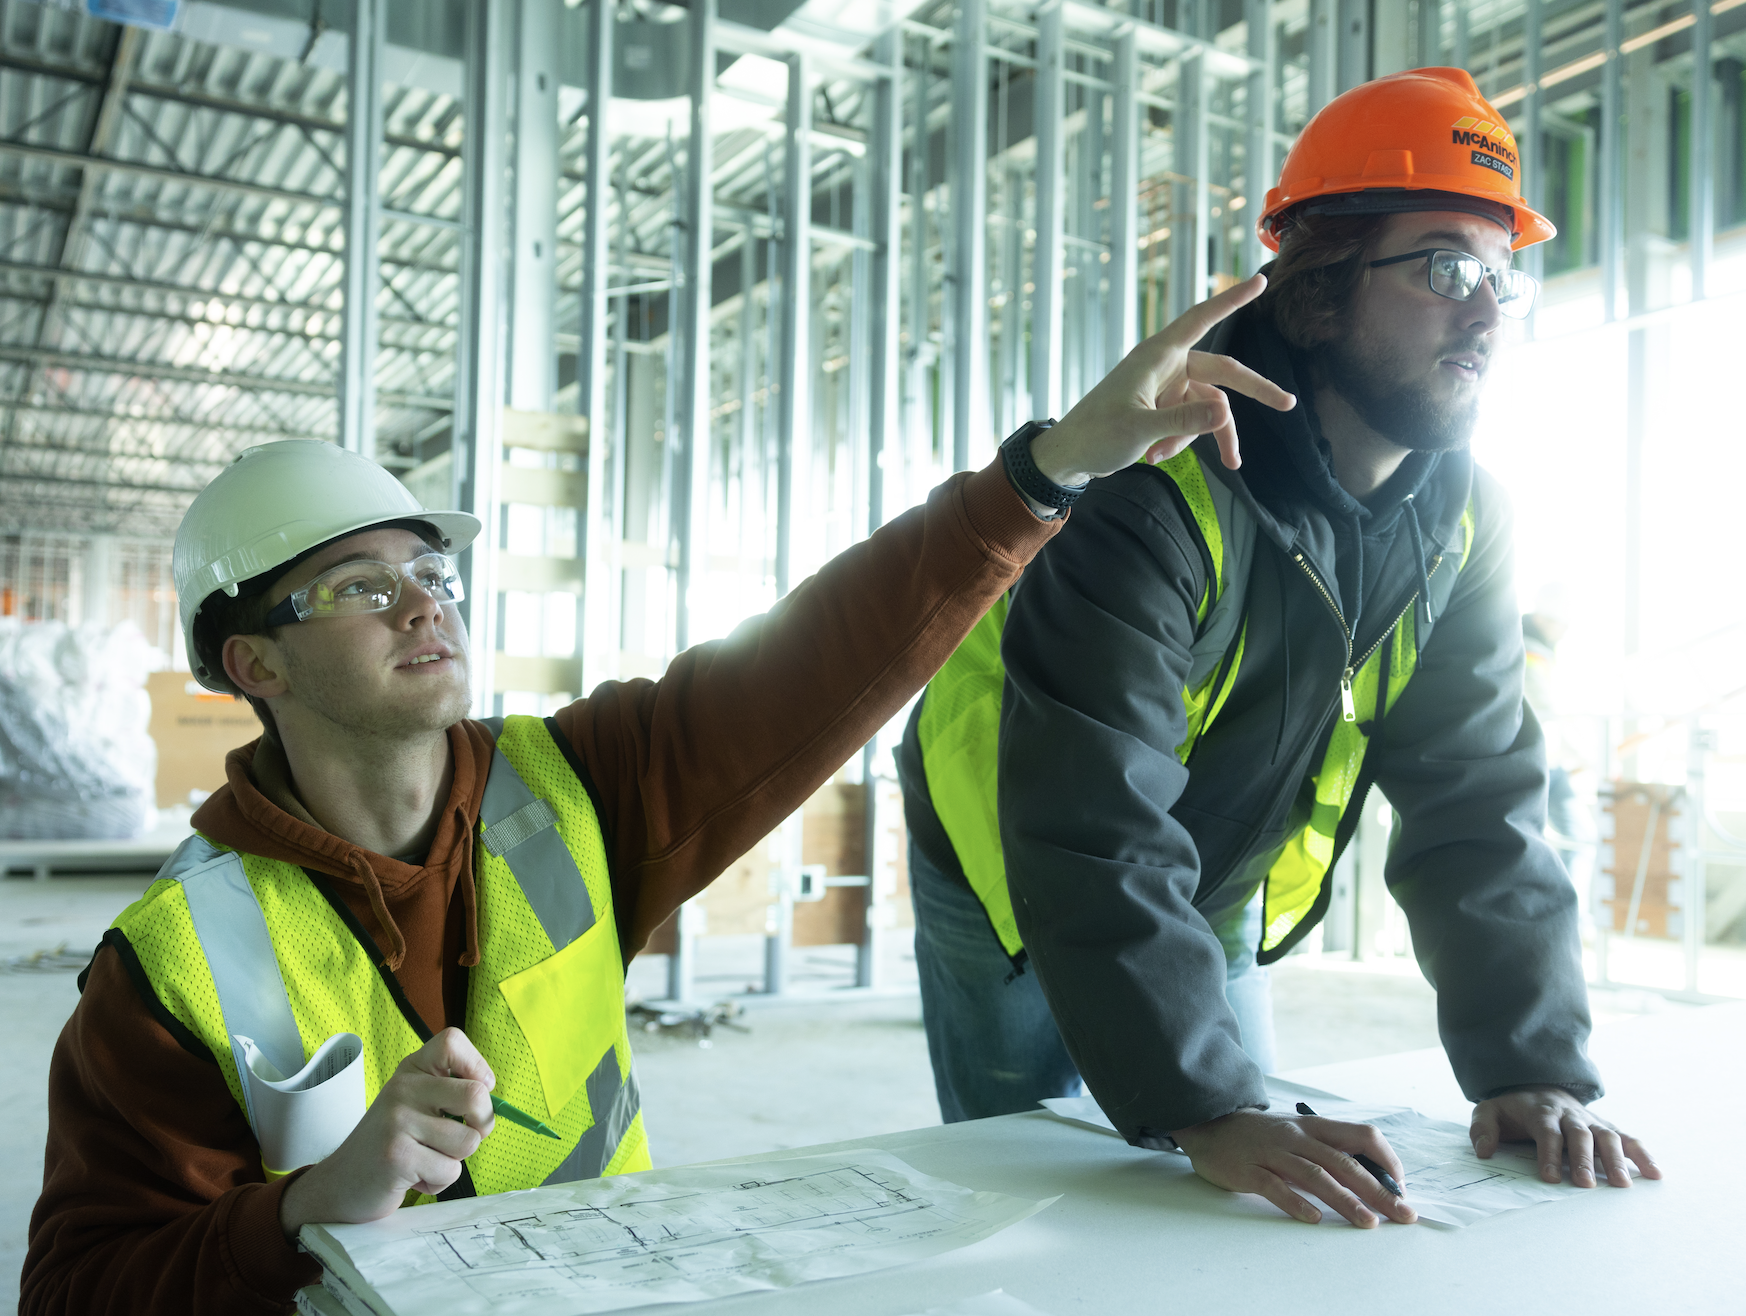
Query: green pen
x,y
514,1116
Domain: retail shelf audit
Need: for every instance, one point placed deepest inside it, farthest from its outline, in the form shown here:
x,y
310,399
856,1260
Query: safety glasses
x,y
367,586
1457,276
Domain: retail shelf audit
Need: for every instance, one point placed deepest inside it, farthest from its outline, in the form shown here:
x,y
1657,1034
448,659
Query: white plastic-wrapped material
x,y
76,760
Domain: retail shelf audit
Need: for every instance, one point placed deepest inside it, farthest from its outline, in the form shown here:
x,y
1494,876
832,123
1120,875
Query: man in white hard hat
x,y
442,908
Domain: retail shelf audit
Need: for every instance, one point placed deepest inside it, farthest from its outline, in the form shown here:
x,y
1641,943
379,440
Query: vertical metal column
x,y
693,326
364,128
1701,228
1700,743
98,585
479,379
969,269
919,447
1430,34
794,405
1611,202
794,412
885,200
1324,24
1047,259
1352,47
1528,138
1188,238
1463,36
1258,172
1081,298
601,533
1012,396
1123,312
533,352
857,431
748,386
885,185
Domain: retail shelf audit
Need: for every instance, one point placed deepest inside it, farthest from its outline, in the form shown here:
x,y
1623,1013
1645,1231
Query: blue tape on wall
x,y
160,14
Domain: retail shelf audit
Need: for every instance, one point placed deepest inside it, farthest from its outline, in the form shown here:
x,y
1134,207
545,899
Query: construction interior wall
x,y
684,299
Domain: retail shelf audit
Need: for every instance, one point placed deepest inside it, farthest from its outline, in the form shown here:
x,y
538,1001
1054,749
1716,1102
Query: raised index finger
x,y
1197,321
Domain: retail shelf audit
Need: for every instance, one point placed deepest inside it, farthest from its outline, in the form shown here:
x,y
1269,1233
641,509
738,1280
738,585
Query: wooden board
x,y
194,730
1629,807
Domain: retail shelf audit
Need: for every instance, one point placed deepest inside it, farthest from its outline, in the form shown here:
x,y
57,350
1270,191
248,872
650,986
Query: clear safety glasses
x,y
1457,276
367,586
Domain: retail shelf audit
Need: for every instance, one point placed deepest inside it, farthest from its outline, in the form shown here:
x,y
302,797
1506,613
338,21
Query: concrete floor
x,y
822,1065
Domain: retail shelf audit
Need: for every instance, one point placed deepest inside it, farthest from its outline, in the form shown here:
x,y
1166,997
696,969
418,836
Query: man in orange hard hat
x,y
1195,691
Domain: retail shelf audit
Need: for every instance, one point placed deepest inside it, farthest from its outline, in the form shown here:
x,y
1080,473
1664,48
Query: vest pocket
x,y
570,1008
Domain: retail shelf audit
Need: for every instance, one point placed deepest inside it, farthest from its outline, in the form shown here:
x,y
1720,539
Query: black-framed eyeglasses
x,y
369,586
1457,276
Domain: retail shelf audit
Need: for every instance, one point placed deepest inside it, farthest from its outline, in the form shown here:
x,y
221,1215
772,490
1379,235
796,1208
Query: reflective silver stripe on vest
x,y
540,860
614,1105
233,935
1219,633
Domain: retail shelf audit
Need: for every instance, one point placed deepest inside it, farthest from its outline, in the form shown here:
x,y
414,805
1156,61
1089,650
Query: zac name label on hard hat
x,y
1492,152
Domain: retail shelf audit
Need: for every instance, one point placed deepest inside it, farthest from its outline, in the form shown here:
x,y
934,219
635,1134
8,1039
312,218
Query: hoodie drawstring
x,y
463,872
393,942
1412,516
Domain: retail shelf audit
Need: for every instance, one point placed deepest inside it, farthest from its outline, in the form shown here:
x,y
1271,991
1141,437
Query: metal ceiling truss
x,y
315,388
229,200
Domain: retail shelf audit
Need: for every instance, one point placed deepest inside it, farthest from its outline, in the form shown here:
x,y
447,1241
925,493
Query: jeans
x,y
994,1046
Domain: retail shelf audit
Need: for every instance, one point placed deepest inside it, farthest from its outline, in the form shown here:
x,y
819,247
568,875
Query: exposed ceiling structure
x,y
171,264
172,210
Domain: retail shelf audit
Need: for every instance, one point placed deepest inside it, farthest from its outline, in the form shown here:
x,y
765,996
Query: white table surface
x,y
1137,1231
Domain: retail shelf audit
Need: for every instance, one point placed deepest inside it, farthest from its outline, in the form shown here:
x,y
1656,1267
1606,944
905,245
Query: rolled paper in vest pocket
x,y
303,1118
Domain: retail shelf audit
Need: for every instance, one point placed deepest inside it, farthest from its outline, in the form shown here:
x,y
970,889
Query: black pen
x,y
1381,1175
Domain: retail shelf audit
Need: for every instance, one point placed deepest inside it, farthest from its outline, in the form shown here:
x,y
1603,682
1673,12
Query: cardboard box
x,y
194,730
834,837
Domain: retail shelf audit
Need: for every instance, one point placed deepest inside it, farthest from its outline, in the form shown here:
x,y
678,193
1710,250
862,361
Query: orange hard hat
x,y
1424,140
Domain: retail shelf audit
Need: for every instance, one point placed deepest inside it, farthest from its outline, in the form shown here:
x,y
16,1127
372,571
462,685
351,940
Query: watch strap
x,y
1015,453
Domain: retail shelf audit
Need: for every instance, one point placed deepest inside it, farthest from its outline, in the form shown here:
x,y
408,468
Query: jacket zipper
x,y
1348,708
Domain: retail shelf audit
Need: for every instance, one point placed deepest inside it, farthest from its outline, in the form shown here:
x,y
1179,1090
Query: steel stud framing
x,y
968,339
363,228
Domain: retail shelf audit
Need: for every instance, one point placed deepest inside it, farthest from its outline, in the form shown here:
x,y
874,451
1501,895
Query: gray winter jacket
x,y
1119,857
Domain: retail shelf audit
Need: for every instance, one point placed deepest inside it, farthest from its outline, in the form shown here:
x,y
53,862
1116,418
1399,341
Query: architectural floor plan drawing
x,y
857,1202
1445,1182
689,1234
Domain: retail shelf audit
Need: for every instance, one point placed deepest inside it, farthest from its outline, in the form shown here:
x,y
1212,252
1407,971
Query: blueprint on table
x,y
666,1236
1445,1182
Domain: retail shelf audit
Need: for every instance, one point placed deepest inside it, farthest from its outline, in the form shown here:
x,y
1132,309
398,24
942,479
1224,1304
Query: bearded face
x,y
1388,385
1410,362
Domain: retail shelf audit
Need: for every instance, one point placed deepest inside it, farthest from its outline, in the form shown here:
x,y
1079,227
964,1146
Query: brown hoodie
x,y
153,1199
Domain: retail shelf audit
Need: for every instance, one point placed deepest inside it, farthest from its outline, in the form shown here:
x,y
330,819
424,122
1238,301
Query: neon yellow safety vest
x,y
237,944
960,720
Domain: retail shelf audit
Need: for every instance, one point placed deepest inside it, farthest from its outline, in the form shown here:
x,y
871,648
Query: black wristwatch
x,y
1023,472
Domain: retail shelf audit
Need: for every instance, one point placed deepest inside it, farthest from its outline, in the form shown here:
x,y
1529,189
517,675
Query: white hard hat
x,y
277,502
